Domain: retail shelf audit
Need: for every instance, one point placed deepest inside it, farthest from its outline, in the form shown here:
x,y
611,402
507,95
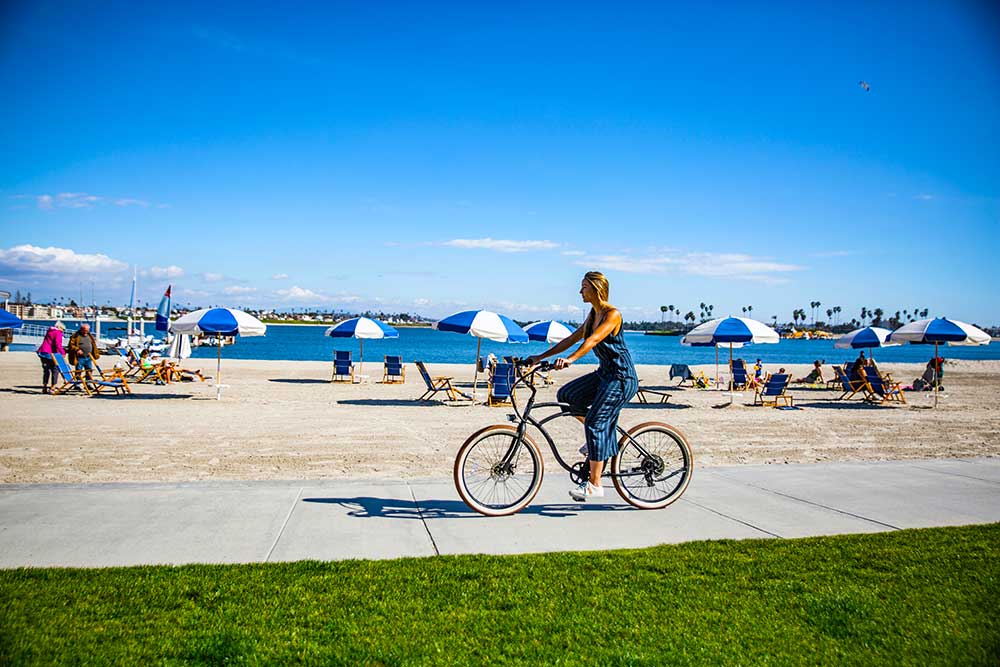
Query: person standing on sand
x,y
83,350
52,344
606,390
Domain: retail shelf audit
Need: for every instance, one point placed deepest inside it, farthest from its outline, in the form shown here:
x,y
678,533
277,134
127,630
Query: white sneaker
x,y
586,491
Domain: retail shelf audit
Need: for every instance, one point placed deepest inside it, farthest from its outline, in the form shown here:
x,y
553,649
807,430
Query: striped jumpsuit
x,y
606,391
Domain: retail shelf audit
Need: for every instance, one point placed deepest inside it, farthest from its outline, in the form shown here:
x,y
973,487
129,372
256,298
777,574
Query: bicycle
x,y
499,469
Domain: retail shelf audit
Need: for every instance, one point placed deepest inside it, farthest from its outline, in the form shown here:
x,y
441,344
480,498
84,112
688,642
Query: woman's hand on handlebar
x,y
561,363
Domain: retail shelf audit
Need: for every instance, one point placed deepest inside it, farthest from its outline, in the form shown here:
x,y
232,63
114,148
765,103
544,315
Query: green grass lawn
x,y
911,597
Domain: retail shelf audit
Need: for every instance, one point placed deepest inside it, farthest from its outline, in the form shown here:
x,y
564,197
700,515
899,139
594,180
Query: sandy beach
x,y
285,420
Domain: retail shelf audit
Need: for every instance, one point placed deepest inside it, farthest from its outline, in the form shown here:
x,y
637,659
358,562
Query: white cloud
x,y
573,253
279,276
48,202
707,264
35,259
171,271
212,277
501,245
421,302
301,294
237,290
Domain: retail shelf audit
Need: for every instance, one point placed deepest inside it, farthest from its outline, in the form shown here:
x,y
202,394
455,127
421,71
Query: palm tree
x,y
923,313
878,316
663,314
829,317
749,311
775,318
671,309
690,316
864,314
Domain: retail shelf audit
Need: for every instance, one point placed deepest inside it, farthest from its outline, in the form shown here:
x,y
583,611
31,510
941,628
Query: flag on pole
x,y
163,312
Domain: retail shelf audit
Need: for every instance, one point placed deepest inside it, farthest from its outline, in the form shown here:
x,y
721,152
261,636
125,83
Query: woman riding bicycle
x,y
606,390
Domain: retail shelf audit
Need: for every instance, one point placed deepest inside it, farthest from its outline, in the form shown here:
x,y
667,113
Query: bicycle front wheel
x,y
497,473
653,466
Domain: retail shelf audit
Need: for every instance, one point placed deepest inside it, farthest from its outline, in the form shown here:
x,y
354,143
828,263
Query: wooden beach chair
x,y
501,384
343,367
881,391
850,387
774,390
72,380
394,372
644,393
435,384
741,381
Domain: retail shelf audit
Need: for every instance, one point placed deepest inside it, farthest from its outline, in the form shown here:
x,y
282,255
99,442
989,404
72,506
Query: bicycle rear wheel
x,y
653,466
490,481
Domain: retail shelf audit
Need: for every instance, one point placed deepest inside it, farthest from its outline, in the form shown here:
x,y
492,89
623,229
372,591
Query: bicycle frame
x,y
524,419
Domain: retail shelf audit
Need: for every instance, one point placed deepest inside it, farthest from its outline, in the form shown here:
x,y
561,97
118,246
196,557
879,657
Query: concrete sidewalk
x,y
241,522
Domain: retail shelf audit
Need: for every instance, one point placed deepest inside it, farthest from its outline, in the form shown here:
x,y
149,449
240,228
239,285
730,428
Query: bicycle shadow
x,y
368,507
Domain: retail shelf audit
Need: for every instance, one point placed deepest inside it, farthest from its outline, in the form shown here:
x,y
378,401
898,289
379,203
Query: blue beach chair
x,y
881,391
394,372
343,367
72,380
774,390
849,386
741,382
501,385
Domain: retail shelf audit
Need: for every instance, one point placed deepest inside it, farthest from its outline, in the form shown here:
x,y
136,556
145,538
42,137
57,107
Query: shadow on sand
x,y
366,507
298,381
382,402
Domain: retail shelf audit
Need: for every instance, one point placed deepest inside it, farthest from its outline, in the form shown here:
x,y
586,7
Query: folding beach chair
x,y
774,390
741,382
682,371
71,379
501,384
849,386
834,382
644,393
394,371
881,391
343,367
436,384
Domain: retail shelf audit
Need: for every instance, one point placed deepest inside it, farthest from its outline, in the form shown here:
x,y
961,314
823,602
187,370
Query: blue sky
x,y
450,155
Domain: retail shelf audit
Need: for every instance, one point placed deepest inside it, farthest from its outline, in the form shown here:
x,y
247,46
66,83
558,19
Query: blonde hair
x,y
599,282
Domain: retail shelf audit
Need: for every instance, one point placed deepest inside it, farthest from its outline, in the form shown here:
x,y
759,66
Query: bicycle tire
x,y
487,489
655,481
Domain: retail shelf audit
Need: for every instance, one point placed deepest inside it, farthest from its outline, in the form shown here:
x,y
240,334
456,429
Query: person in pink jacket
x,y
52,344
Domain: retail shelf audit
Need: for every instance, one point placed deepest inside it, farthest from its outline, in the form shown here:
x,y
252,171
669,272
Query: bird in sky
x,y
864,84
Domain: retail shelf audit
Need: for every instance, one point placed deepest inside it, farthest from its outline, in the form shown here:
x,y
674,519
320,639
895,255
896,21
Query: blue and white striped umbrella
x,y
863,338
548,331
939,330
730,331
362,328
9,321
219,322
483,324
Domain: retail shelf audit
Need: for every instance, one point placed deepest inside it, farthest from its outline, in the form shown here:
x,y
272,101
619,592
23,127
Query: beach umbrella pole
x,y
475,377
730,373
218,371
935,374
716,367
361,364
